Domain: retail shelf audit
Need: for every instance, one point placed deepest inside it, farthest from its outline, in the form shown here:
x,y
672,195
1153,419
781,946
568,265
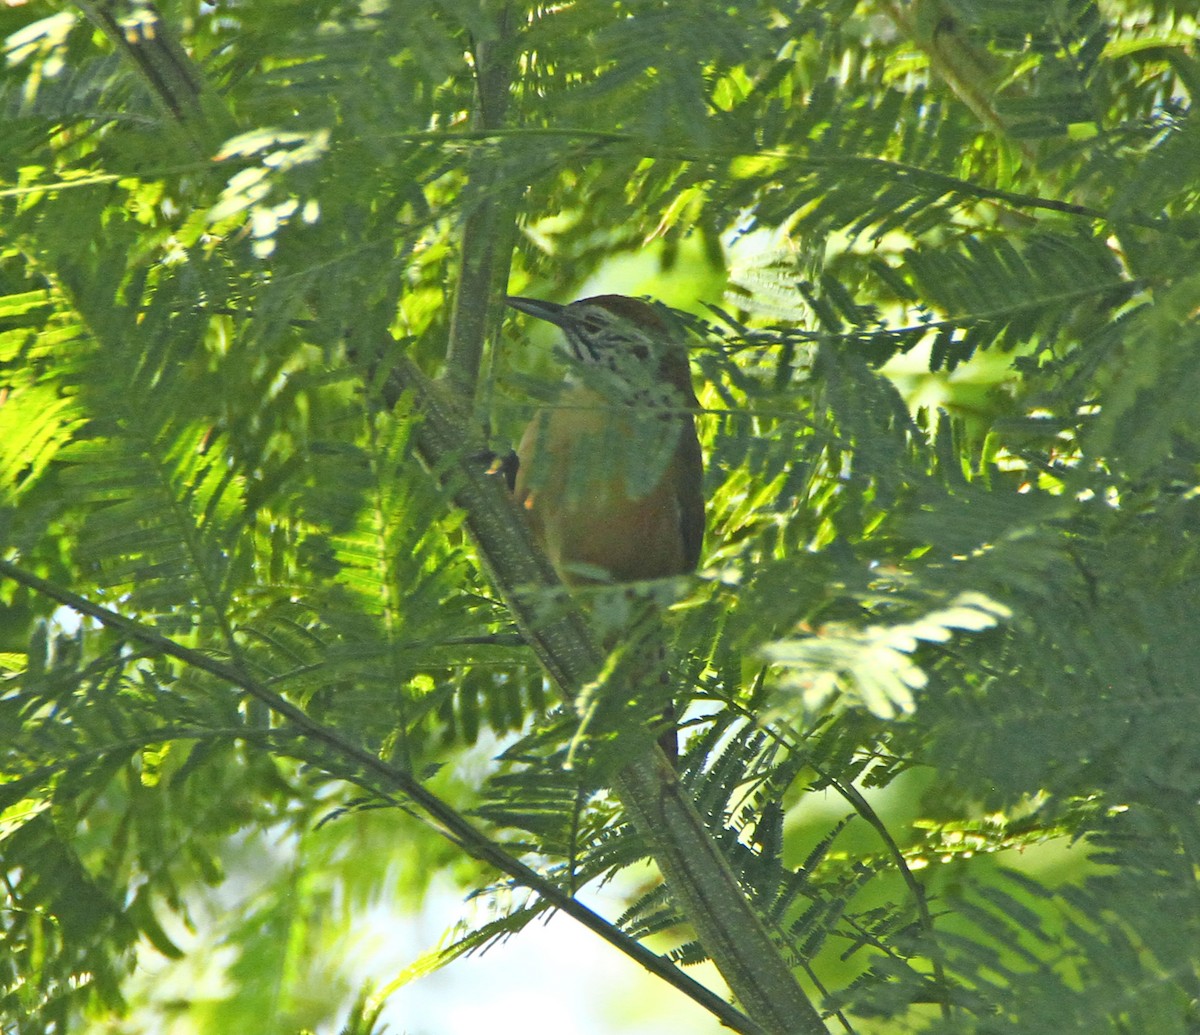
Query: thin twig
x,y
442,817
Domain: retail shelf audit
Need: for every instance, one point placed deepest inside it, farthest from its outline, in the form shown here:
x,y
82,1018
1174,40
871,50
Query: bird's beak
x,y
551,312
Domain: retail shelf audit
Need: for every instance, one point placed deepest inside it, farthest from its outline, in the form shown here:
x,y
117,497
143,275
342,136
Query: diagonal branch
x,y
142,35
379,777
697,875
969,72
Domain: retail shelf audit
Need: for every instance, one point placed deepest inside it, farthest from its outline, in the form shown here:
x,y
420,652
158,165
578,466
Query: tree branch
x,y
697,875
488,229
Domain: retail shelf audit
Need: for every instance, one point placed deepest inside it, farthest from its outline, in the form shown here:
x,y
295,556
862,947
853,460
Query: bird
x,y
610,476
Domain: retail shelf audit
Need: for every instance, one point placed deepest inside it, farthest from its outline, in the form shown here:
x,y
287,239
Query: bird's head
x,y
623,335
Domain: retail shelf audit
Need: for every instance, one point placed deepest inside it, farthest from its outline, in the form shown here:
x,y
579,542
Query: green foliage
x,y
972,626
